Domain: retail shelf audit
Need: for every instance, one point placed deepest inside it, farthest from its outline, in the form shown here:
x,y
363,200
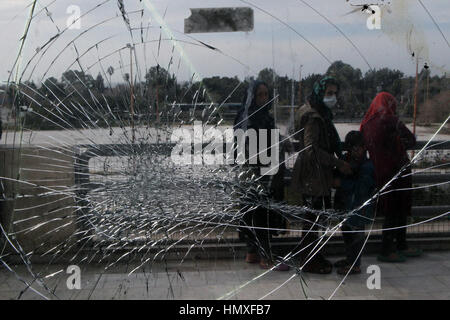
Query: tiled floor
x,y
427,277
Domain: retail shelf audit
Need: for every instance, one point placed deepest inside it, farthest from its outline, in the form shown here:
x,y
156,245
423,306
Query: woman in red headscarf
x,y
387,140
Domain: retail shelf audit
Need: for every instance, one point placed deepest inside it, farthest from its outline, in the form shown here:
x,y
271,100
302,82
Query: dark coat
x,y
356,189
313,169
387,139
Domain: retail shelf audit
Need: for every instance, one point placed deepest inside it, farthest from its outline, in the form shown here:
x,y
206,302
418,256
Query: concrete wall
x,y
39,208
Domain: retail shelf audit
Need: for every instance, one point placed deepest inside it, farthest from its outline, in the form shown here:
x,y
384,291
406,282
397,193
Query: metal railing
x,y
89,152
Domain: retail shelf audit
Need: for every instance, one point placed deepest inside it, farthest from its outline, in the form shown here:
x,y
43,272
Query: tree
x,y
224,89
30,84
126,77
158,80
308,83
157,75
435,110
350,98
110,71
78,80
100,83
383,79
268,75
345,74
52,89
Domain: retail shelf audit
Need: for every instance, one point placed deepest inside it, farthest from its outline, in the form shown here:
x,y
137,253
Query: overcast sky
x,y
287,34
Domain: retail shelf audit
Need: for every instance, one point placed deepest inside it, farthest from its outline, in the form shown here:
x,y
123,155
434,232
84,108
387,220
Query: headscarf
x,y
384,104
251,116
316,97
316,102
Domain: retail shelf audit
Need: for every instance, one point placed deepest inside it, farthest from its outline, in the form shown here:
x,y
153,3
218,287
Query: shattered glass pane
x,y
118,160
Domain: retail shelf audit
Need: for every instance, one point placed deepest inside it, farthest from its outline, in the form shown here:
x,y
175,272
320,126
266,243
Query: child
x,y
353,190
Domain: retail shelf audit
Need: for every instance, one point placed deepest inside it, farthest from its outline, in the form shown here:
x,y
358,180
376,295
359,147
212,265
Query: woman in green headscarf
x,y
320,155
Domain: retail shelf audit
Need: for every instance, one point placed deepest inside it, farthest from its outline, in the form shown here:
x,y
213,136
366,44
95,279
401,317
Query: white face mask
x,y
330,102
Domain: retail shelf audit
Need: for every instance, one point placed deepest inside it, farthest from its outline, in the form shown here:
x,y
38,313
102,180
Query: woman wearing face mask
x,y
313,170
254,114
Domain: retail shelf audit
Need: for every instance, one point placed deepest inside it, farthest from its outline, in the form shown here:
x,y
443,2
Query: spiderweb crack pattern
x,y
108,192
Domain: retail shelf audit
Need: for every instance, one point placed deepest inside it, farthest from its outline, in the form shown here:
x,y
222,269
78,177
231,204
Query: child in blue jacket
x,y
353,191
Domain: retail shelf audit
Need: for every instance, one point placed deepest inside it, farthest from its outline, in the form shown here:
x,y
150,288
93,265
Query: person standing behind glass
x,y
387,140
313,170
259,221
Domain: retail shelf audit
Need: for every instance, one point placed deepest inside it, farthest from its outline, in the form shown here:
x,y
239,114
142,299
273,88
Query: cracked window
x,y
189,149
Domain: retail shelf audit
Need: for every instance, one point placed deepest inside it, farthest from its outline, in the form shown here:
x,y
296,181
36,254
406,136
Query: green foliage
x,y
224,89
269,76
79,98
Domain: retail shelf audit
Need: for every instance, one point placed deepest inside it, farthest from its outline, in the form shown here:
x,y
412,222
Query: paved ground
x,y
427,277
